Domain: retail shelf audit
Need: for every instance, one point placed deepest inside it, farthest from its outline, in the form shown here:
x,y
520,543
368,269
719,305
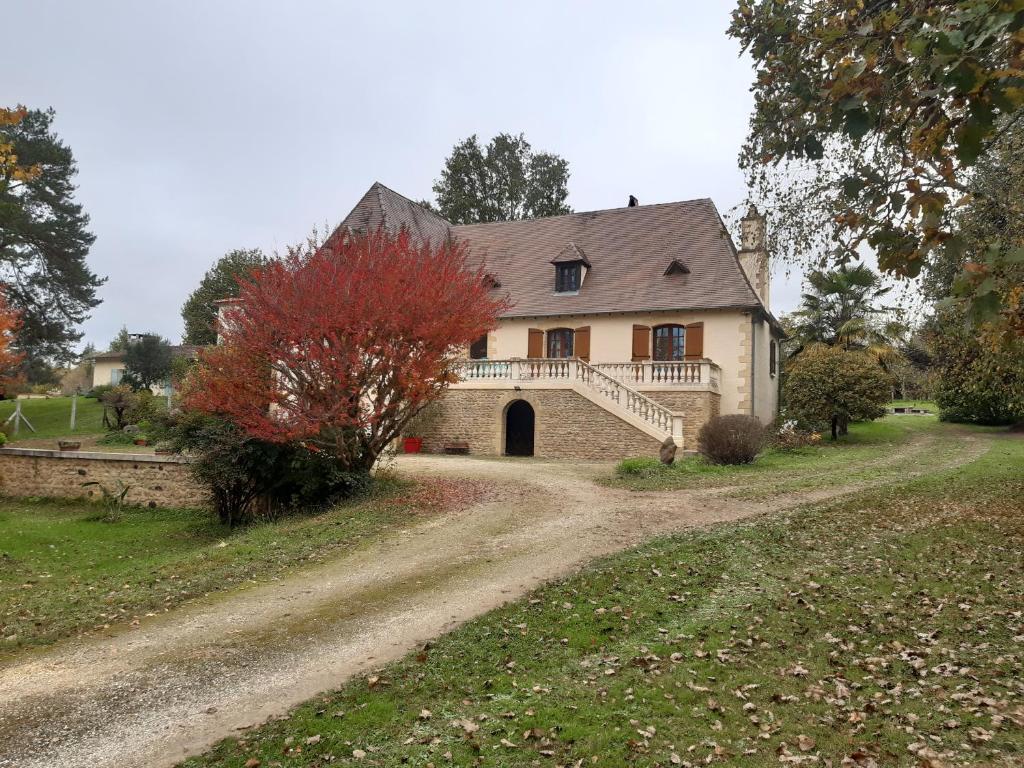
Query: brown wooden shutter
x,y
581,344
535,343
641,342
695,341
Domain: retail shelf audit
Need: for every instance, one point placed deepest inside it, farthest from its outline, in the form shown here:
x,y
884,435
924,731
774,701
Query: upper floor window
x,y
567,277
478,349
773,362
560,342
669,342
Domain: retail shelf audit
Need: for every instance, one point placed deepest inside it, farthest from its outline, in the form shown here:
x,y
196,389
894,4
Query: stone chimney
x,y
754,254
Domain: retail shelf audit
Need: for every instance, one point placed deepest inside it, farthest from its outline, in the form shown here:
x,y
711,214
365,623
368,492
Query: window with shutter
x,y
695,341
535,343
669,342
641,342
582,343
560,342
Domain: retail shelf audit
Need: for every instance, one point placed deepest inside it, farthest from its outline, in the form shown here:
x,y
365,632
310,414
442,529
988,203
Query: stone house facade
x,y
627,326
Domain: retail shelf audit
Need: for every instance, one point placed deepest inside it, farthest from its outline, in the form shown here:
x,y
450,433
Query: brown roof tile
x,y
382,207
628,250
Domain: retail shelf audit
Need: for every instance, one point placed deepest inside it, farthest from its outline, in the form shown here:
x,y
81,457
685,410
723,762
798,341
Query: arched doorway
x,y
519,429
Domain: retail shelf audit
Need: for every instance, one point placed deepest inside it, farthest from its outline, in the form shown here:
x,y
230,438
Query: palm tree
x,y
842,308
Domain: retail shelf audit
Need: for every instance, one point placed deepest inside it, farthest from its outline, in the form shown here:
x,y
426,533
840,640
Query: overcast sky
x,y
199,127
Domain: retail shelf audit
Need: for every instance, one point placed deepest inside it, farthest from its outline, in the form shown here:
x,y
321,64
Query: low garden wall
x,y
154,481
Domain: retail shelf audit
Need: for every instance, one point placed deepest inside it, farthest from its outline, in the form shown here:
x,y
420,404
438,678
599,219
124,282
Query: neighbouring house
x,y
627,326
109,367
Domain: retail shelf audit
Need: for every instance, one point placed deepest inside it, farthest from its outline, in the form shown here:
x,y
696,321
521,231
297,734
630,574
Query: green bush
x,y
831,386
980,382
248,477
732,439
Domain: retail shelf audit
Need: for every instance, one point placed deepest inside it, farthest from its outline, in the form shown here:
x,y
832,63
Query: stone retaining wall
x,y
155,481
567,426
697,407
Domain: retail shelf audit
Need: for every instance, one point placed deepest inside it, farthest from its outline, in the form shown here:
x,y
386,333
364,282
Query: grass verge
x,y
64,570
883,629
866,442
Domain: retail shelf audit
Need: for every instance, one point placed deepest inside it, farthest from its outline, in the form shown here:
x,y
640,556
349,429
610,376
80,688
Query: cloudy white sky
x,y
199,127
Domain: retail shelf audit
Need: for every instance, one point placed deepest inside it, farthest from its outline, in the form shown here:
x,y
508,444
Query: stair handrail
x,y
637,403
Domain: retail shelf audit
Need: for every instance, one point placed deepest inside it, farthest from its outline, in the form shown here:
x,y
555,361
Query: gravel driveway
x,y
182,681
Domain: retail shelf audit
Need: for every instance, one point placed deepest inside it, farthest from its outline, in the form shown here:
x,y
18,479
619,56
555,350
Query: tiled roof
x,y
628,251
190,351
383,207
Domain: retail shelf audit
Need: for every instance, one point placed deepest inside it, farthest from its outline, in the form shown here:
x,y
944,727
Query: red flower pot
x,y
412,444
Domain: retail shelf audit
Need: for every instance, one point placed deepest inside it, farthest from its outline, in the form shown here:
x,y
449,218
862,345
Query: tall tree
x,y
505,181
981,367
43,239
120,342
842,308
220,282
147,361
339,348
870,115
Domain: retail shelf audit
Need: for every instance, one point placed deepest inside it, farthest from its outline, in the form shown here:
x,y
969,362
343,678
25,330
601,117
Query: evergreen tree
x,y
147,361
220,282
43,241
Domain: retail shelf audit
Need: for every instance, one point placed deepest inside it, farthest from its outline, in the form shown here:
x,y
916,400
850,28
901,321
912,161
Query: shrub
x,y
98,390
234,467
117,405
733,439
833,386
244,473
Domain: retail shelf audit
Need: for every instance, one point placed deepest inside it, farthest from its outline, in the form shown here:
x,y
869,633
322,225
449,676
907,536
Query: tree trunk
x,y
835,427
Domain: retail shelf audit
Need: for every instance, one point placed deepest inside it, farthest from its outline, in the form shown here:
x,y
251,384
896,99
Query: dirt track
x,y
182,681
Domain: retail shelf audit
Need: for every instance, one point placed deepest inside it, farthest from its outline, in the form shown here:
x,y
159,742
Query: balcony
x,y
696,374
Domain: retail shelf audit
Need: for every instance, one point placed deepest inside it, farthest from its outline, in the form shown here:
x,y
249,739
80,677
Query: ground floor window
x,y
115,376
560,342
669,342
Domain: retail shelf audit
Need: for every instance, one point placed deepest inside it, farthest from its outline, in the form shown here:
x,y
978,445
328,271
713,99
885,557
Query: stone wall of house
x,y
697,408
155,481
566,426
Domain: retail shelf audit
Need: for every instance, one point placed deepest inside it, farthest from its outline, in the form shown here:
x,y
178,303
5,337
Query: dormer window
x,y
567,277
571,267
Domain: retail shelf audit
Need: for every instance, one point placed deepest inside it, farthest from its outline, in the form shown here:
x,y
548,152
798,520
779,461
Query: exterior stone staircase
x,y
589,381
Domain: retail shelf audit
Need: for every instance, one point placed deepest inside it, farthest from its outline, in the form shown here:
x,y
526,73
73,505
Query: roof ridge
x,y
588,213
382,185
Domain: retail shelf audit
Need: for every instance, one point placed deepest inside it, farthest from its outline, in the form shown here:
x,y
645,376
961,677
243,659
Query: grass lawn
x,y
52,417
884,629
63,570
866,442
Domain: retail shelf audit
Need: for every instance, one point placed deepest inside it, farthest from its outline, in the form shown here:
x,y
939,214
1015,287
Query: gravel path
x,y
182,681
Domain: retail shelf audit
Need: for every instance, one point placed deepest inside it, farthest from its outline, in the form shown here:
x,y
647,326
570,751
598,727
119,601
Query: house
x,y
627,326
108,367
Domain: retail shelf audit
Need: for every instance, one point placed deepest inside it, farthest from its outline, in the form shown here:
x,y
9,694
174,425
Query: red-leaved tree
x,y
338,347
10,323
